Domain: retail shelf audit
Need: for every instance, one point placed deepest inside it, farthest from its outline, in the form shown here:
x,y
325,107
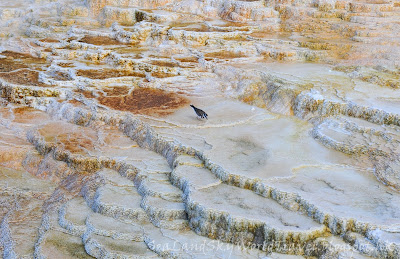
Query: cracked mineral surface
x,y
102,156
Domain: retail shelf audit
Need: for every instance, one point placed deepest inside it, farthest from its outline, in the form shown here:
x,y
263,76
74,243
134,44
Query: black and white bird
x,y
199,112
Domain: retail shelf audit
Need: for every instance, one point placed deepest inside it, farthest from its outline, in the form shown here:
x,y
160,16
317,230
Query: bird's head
x,y
192,105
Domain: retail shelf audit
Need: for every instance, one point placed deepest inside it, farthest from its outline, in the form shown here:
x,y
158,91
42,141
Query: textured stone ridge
x,y
101,155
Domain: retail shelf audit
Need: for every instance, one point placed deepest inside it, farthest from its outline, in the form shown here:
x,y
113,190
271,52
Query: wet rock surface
x,y
102,156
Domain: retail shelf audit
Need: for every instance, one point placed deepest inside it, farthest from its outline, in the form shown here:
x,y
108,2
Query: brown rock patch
x,y
76,143
28,115
100,40
269,35
107,73
117,91
87,94
49,40
187,59
23,77
161,74
224,54
146,101
23,56
163,63
65,64
68,137
16,55
61,76
7,65
71,39
23,110
16,60
75,102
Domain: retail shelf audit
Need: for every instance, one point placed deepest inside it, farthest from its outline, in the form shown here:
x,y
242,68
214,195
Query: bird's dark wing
x,y
200,112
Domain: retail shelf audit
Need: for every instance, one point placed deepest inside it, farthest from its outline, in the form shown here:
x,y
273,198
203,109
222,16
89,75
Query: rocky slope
x,y
102,156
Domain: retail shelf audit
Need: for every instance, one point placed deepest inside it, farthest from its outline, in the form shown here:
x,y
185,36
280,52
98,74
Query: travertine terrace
x,y
102,156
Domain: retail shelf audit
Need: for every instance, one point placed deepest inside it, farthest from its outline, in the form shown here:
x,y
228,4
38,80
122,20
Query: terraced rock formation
x,y
102,156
